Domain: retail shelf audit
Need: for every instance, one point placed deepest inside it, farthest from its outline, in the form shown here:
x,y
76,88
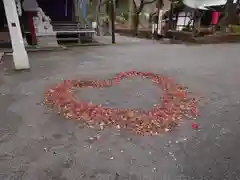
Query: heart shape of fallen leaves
x,y
175,103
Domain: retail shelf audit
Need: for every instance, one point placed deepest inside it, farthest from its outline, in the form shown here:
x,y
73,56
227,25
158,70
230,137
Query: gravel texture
x,y
36,143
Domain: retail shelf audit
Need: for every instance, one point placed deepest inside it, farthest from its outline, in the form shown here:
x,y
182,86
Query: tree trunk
x,y
230,16
98,8
131,11
135,24
196,23
170,17
133,17
109,17
134,12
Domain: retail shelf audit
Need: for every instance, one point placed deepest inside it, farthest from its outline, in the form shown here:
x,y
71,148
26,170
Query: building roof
x,y
203,4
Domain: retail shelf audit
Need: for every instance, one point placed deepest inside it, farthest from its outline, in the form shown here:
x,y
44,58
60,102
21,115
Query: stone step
x,y
47,41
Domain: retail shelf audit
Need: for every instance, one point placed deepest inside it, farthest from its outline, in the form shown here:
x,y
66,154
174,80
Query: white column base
x,y
19,59
47,40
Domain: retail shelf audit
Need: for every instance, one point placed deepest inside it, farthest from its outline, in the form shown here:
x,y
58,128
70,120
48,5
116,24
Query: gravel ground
x,y
36,143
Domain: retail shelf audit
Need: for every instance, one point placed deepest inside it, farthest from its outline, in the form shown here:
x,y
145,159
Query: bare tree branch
x,y
104,2
134,4
147,2
142,4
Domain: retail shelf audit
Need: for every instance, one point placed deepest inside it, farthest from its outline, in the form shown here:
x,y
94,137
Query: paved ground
x,y
37,144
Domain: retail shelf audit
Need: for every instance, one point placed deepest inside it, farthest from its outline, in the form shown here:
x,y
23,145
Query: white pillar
x,y
20,57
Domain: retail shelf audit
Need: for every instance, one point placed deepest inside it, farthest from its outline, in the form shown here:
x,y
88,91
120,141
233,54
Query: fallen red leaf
x,y
195,125
176,104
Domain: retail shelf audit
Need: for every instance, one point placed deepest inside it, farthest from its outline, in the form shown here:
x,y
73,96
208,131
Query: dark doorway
x,y
58,10
3,19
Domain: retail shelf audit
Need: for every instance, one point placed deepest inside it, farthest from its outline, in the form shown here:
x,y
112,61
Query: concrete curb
x,y
9,52
85,45
61,48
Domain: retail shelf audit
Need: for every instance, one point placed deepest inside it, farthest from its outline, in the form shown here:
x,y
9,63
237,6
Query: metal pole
x,y
113,20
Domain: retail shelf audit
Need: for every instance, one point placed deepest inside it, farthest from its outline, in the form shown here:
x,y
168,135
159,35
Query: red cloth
x,y
30,15
215,17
